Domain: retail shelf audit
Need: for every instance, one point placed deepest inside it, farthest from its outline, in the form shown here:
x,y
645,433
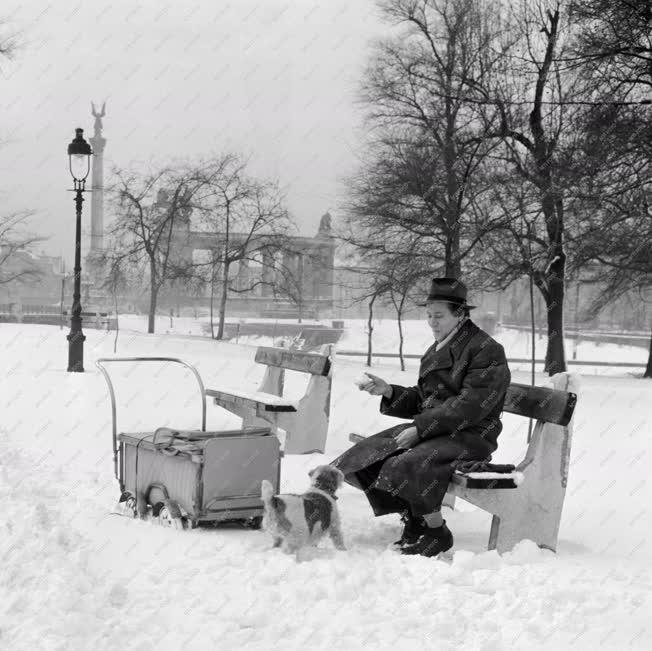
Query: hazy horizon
x,y
274,80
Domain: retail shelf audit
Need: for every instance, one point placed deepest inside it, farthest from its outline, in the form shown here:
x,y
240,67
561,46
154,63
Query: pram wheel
x,y
127,505
254,523
169,514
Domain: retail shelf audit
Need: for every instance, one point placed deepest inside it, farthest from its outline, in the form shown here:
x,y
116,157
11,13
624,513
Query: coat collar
x,y
434,360
440,344
463,336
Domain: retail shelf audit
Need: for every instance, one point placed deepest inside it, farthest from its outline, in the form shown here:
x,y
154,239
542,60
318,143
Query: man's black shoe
x,y
431,543
413,529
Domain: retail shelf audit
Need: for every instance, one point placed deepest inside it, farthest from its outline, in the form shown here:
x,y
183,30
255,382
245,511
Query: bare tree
x,y
16,243
625,263
249,220
613,48
149,208
288,275
116,283
397,280
614,43
378,288
424,175
574,147
405,280
540,102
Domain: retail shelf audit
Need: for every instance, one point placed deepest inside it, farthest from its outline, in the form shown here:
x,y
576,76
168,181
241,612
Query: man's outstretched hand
x,y
375,385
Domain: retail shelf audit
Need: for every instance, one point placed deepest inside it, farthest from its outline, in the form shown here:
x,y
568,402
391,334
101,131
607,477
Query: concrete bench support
x,y
305,422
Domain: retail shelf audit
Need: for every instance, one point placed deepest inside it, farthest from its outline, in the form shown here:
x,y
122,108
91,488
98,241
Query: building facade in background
x,y
315,283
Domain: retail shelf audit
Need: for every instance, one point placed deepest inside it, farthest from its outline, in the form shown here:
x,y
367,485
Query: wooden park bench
x,y
528,502
305,421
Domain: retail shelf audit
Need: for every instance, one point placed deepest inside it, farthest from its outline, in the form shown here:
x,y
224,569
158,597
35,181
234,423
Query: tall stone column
x,y
309,274
97,182
93,271
268,273
326,244
243,274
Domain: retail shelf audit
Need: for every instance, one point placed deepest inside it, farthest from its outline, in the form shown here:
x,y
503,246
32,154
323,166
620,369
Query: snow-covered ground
x,y
74,576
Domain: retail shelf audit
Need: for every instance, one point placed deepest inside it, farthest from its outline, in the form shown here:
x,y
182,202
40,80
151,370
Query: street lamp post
x,y
79,154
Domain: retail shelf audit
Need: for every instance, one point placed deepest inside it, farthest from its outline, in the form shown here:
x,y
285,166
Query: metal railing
x,y
510,360
105,373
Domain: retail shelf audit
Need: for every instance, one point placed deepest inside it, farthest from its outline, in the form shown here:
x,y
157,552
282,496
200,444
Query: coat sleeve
x,y
404,403
485,384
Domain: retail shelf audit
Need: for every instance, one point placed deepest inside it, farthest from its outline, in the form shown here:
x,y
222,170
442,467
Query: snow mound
x,y
73,576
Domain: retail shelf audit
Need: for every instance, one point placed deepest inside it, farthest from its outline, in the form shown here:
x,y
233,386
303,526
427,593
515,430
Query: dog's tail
x,y
271,500
266,490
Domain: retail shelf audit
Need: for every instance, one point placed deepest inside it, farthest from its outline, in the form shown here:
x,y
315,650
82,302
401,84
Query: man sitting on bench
x,y
455,408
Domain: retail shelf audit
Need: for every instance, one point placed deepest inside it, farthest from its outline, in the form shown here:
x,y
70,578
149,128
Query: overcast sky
x,y
274,79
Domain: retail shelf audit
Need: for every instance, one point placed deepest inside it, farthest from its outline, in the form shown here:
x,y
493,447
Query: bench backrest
x,y
547,459
540,403
312,363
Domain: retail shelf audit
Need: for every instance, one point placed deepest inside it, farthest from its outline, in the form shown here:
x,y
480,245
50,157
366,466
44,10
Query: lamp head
x,y
79,153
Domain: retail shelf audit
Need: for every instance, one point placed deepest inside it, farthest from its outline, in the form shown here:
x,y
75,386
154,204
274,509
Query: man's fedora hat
x,y
449,290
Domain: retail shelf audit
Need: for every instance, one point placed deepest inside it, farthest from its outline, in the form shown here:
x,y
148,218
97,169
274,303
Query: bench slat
x,y
267,401
540,403
294,361
490,481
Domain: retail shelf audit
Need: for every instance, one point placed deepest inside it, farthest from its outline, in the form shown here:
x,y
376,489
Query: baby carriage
x,y
182,478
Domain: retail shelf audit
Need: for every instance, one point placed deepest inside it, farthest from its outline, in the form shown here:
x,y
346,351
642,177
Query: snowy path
x,y
76,577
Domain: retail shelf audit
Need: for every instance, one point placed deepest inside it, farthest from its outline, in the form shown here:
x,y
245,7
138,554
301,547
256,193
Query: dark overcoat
x,y
455,407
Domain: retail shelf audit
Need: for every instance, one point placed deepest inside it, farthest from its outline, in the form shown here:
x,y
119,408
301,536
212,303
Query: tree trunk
x,y
400,338
451,163
554,275
151,320
225,289
153,296
370,329
453,267
533,331
225,272
117,325
648,368
555,354
210,317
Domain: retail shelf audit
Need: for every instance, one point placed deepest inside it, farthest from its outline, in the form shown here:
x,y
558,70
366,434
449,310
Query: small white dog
x,y
298,521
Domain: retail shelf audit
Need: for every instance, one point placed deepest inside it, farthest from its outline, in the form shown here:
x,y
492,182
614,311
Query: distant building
x,y
43,289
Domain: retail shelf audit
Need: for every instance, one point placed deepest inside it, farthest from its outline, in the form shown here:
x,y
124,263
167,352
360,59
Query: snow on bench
x,y
268,401
304,421
488,479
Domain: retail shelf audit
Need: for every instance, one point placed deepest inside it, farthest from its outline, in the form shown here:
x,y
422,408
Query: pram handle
x,y
105,373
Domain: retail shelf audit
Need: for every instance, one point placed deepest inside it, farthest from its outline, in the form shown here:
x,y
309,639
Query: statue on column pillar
x,y
325,225
98,142
98,118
